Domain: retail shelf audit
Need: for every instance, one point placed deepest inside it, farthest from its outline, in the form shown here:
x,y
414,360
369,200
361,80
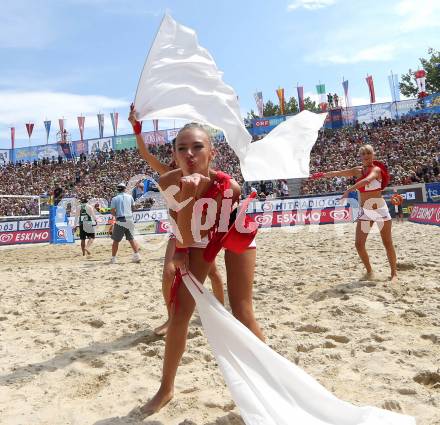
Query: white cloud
x,y
310,4
418,14
379,53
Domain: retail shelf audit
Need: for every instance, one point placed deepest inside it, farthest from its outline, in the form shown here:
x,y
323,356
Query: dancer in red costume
x,y
193,154
372,177
169,268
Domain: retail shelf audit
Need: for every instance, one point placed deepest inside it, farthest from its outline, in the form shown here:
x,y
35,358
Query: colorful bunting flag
x,y
370,84
300,91
280,94
114,117
101,125
258,96
47,127
81,121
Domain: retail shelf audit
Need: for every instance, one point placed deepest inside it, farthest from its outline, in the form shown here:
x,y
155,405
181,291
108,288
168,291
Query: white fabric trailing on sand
x,y
180,80
267,388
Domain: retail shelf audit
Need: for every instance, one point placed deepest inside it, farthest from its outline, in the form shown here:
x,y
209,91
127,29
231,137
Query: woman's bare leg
x,y
168,273
216,283
362,231
240,279
176,336
387,241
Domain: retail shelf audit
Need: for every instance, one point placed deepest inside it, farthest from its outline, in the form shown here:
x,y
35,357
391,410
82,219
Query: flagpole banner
x,y
30,129
370,84
300,91
12,138
393,81
156,125
180,80
258,96
61,123
267,388
47,127
101,125
81,121
114,117
280,94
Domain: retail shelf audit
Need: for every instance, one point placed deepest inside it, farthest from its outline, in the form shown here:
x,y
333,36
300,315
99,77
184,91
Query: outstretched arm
x,y
153,162
351,172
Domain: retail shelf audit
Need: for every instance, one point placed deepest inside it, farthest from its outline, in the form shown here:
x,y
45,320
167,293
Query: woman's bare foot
x,y
393,279
368,276
87,252
162,329
161,399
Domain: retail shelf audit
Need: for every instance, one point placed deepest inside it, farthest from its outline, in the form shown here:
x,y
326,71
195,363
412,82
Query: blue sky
x,y
67,57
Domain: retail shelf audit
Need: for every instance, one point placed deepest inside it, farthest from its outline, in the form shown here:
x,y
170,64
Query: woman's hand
x,y
191,183
344,197
137,126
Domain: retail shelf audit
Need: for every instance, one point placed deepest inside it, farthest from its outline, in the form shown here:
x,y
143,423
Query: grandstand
x,y
410,147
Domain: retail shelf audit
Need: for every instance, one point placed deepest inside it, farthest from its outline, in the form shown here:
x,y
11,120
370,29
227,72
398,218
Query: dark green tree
x,y
310,105
431,65
292,106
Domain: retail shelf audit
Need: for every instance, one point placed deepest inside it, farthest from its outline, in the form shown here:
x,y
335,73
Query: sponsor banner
x,y
8,226
26,236
125,142
302,217
433,192
80,147
33,224
163,226
155,137
171,134
428,213
5,157
99,145
151,215
294,204
369,113
412,194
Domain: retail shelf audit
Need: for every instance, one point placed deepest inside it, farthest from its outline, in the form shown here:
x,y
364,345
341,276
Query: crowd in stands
x,y
410,148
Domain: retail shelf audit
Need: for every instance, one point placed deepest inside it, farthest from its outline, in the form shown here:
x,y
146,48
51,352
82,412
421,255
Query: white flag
x,y
285,152
180,80
267,388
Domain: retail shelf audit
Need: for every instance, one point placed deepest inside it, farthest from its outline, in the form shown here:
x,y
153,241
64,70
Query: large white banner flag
x,y
267,388
180,80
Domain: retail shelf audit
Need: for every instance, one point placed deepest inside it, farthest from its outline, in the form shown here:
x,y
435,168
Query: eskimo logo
x,y
27,225
61,234
266,206
339,215
5,237
264,219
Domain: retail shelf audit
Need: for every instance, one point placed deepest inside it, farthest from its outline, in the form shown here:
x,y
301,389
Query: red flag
x,y
280,94
81,126
61,121
156,125
12,137
370,84
29,128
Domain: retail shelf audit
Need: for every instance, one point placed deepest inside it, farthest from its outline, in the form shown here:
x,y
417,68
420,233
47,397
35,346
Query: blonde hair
x,y
366,148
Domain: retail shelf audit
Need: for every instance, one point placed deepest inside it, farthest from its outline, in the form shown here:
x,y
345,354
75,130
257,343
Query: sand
x,y
77,347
